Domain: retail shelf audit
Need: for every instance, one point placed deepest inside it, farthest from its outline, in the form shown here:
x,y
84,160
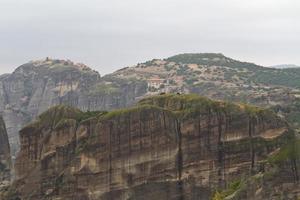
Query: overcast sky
x,y
110,34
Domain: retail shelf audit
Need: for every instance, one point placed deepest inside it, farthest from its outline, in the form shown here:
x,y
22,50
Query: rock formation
x,y
166,147
36,86
5,161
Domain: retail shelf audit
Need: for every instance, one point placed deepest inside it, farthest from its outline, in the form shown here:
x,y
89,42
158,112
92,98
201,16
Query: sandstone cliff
x,y
166,147
5,161
36,86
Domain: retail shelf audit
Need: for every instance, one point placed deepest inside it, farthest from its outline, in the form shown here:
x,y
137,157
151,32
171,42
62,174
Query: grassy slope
x,y
289,77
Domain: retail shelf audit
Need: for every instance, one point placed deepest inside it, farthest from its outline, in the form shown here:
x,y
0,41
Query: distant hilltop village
x,y
160,85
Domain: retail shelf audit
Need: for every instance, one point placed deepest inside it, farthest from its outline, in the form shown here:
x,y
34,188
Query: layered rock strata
x,y
166,147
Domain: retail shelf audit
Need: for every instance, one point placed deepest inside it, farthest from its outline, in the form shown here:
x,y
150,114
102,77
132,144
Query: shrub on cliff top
x,y
127,111
60,116
55,114
184,106
187,105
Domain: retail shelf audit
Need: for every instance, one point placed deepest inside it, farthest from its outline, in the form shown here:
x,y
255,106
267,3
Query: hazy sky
x,y
110,34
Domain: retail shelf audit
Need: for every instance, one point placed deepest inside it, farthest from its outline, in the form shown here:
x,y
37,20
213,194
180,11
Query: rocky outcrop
x,y
36,86
5,161
166,147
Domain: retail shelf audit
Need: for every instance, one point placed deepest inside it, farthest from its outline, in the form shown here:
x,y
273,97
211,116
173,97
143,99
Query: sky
x,y
110,34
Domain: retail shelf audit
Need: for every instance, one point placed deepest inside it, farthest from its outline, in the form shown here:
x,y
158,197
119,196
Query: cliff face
x,y
5,161
166,147
36,86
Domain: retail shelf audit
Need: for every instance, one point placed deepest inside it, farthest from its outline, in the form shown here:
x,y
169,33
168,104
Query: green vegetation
x,y
168,68
290,151
90,114
54,115
210,59
183,70
229,73
128,111
176,102
233,189
65,123
249,72
150,62
61,116
185,106
191,81
285,77
254,111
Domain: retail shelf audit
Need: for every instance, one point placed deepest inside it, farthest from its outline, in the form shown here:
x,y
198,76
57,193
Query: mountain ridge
x,y
37,85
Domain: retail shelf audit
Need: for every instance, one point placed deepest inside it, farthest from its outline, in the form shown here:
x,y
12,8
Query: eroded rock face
x,y
5,161
167,147
36,86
